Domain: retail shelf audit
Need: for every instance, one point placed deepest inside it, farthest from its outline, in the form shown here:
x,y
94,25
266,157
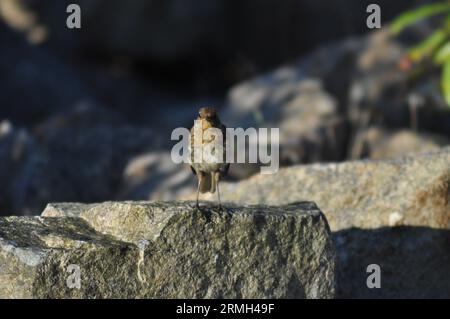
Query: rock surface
x,y
412,191
168,250
36,253
393,213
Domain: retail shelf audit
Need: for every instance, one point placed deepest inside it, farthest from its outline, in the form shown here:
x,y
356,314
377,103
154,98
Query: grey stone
x,y
35,254
411,190
154,176
168,250
311,128
393,213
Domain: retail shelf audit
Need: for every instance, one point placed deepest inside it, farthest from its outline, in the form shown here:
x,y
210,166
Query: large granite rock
x,y
168,250
412,191
393,213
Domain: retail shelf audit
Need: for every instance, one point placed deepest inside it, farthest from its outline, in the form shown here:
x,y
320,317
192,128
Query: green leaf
x,y
410,17
443,54
445,81
428,46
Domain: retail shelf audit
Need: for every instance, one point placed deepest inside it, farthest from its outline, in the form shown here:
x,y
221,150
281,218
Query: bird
x,y
208,172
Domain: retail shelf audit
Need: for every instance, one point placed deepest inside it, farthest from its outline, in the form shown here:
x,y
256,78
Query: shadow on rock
x,y
414,262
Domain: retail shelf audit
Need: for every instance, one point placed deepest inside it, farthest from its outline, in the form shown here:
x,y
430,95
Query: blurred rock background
x,y
86,115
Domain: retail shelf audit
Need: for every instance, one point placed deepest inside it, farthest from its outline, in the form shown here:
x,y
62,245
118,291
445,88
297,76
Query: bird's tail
x,y
208,184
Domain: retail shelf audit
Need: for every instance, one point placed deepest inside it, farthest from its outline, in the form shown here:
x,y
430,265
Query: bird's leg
x,y
199,177
217,177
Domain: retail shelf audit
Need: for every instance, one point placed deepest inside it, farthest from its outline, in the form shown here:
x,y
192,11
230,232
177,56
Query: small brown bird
x,y
208,172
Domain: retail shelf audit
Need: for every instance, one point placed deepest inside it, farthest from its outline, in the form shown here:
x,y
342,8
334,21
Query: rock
x,y
360,194
375,68
168,250
379,143
36,253
413,262
80,154
393,213
155,176
323,101
311,128
85,162
315,99
366,193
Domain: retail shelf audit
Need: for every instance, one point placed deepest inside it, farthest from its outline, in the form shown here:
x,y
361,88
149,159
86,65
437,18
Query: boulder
x,y
380,143
307,116
38,255
411,190
392,213
81,155
323,102
154,176
167,250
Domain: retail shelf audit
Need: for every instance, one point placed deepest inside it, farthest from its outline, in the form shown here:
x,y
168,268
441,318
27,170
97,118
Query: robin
x,y
209,164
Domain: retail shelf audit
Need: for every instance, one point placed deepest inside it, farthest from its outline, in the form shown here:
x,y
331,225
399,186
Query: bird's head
x,y
207,113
